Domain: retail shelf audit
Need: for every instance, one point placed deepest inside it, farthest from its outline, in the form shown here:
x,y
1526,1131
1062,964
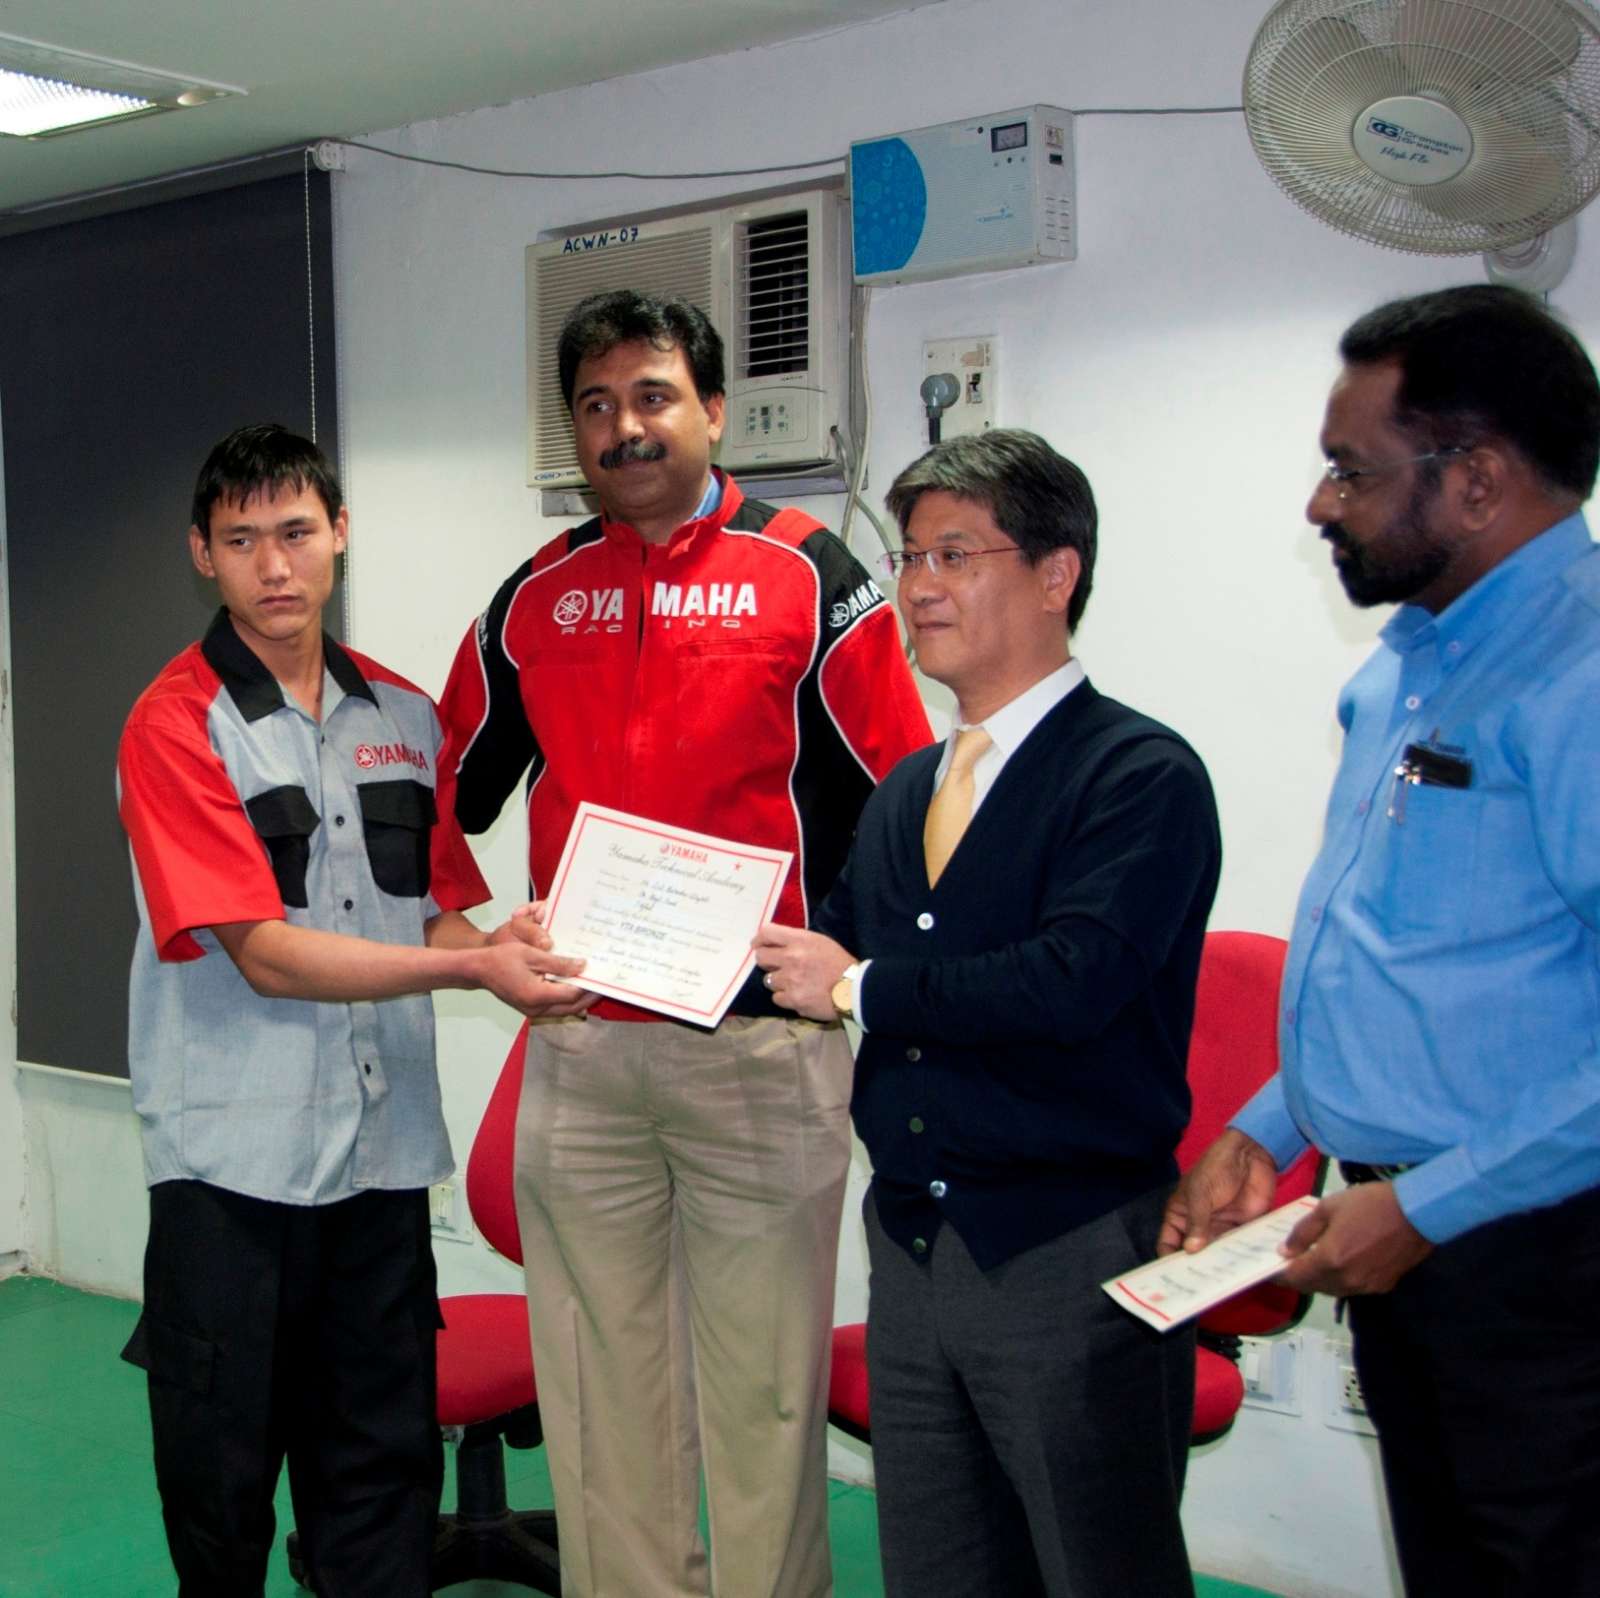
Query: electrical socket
x,y
973,361
1347,1404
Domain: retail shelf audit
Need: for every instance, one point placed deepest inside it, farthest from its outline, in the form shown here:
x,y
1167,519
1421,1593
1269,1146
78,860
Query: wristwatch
x,y
843,993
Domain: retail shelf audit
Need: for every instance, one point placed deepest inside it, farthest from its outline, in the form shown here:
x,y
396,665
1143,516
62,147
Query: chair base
x,y
519,1548
484,1539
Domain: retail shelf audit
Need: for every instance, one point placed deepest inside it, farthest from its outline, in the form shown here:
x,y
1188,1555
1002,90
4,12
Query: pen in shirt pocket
x,y
1428,764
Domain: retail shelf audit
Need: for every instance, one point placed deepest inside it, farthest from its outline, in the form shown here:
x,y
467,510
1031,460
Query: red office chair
x,y
1232,1051
486,1384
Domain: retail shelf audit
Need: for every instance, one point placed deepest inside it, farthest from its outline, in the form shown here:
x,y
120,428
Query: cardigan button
x,y
938,1189
913,1054
919,1245
916,1123
925,921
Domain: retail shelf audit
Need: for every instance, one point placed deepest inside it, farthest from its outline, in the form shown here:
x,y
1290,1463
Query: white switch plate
x,y
448,1212
971,361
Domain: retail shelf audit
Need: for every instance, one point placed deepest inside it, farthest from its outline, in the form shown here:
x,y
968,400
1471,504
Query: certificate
x,y
664,918
1177,1287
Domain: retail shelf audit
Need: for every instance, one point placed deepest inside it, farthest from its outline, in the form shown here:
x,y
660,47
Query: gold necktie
x,y
951,807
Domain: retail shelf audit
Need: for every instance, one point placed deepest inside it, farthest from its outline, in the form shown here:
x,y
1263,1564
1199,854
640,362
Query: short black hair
x,y
1037,497
262,458
595,327
1485,360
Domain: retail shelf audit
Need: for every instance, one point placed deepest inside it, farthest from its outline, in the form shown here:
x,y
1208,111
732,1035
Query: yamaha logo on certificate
x,y
663,917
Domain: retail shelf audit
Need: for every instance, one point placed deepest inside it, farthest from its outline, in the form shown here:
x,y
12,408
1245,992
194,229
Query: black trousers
x,y
1481,1370
1028,1437
272,1331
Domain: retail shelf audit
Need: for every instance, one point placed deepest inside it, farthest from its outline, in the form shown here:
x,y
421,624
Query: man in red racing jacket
x,y
708,662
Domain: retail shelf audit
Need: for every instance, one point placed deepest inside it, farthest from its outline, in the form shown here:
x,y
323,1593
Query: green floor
x,y
78,1510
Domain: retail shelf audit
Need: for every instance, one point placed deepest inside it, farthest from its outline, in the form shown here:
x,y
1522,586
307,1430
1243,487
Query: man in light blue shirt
x,y
1440,1020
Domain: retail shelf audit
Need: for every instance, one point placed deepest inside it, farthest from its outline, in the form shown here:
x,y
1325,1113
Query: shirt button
x,y
349,904
1454,646
1288,1016
338,821
913,1054
925,921
1413,702
919,1245
915,1123
366,1065
938,1189
1363,807
1316,912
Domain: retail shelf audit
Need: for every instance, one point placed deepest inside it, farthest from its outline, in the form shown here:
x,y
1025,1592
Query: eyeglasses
x,y
1351,480
938,562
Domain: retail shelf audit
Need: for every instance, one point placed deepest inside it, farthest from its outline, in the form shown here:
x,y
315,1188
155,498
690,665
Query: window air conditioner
x,y
772,274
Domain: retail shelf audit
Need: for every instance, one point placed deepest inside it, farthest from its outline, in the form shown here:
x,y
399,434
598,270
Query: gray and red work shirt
x,y
239,806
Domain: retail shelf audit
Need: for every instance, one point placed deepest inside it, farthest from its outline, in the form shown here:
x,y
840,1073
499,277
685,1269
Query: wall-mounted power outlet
x,y
973,363
1346,1404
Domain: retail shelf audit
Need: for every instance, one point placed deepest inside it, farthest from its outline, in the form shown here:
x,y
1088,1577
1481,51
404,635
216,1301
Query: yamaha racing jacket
x,y
745,679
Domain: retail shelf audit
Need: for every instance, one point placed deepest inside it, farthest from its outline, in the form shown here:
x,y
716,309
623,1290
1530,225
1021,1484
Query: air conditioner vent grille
x,y
774,289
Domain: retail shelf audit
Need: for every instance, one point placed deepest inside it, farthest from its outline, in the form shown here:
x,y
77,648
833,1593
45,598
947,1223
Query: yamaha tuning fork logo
x,y
571,608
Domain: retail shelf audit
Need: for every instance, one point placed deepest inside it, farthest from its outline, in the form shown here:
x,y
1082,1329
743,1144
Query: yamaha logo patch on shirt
x,y
370,756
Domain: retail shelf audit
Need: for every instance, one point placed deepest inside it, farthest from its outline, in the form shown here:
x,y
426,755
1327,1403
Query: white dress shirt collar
x,y
1010,725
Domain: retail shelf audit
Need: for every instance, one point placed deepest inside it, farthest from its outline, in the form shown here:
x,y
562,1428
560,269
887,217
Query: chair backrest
x,y
491,1192
1233,1048
1232,1051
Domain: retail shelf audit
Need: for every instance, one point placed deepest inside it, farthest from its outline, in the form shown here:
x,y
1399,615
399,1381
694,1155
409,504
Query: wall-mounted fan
x,y
1442,127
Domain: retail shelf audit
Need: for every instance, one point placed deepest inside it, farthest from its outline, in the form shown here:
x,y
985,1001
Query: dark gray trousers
x,y
1029,1438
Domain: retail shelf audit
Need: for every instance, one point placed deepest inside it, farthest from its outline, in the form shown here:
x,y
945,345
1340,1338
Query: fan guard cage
x,y
1522,75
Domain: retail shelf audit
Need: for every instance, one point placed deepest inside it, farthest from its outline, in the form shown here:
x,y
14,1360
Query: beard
x,y
629,453
1396,564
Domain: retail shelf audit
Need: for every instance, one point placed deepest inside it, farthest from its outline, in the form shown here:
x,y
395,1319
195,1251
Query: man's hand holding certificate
x,y
1177,1287
663,917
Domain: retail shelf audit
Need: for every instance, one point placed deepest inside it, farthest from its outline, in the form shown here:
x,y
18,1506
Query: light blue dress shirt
x,y
1441,1001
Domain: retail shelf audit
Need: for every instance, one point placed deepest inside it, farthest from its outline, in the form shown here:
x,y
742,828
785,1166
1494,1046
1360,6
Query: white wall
x,y
1182,360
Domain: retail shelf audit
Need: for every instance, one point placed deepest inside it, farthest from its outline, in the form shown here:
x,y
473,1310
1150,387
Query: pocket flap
x,y
401,803
282,813
174,1358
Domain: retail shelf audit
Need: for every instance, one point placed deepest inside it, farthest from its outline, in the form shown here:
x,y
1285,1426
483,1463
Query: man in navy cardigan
x,y
1024,982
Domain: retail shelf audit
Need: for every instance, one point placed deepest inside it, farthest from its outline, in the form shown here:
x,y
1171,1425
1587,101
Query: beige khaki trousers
x,y
678,1194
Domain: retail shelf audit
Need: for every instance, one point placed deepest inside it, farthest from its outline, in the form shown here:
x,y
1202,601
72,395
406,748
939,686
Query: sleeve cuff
x,y
1266,1118
1444,1196
857,983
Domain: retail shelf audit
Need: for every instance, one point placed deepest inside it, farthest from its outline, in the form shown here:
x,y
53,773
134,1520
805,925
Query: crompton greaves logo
x,y
602,606
844,611
370,756
703,604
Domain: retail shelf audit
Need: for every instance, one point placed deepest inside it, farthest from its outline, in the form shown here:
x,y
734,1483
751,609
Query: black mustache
x,y
628,453
1335,534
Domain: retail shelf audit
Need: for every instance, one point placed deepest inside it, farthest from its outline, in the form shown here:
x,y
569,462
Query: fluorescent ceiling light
x,y
46,90
31,106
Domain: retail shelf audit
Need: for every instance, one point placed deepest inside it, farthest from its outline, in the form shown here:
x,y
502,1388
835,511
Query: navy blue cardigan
x,y
1030,1015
